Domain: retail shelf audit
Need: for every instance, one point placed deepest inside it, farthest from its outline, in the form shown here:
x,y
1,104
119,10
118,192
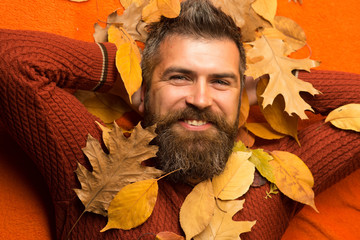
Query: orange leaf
x,y
157,8
263,130
168,236
247,138
293,178
244,108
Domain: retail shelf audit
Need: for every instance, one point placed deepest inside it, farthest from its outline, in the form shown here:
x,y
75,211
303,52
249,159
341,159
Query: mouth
x,y
195,125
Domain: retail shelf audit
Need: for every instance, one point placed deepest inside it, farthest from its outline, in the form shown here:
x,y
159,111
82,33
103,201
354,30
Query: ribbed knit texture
x,y
51,126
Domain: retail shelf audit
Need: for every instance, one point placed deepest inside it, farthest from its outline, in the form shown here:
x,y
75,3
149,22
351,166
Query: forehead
x,y
199,54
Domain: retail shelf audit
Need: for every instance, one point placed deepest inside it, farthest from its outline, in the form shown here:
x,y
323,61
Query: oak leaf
x,y
168,236
279,67
127,59
346,117
293,178
197,209
157,8
236,178
274,114
222,226
113,171
243,15
133,205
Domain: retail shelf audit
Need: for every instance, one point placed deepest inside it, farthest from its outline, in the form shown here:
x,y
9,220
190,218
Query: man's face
x,y
194,98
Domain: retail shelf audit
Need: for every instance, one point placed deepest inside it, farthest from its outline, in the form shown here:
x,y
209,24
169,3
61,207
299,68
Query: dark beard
x,y
198,154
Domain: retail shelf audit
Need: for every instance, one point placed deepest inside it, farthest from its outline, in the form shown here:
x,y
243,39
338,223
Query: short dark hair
x,y
197,19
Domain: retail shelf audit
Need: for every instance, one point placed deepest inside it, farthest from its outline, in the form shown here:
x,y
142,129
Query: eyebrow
x,y
189,72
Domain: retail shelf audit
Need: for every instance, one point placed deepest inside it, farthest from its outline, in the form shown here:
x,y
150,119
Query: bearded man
x,y
193,69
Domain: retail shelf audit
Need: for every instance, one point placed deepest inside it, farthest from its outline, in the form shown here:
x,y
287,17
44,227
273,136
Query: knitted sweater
x,y
51,125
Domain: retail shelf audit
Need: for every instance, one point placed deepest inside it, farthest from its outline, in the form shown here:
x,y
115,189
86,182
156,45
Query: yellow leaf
x,y
111,172
244,108
293,178
197,209
157,8
236,178
282,81
222,227
127,3
127,59
275,115
133,205
263,130
265,8
294,34
346,117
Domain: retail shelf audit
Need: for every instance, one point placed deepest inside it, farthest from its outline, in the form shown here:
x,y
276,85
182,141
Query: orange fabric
x,y
332,29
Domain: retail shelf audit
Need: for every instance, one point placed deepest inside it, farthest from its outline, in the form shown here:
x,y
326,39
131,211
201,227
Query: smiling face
x,y
194,99
203,74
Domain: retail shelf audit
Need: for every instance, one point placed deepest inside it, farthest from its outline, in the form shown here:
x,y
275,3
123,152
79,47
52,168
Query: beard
x,y
197,155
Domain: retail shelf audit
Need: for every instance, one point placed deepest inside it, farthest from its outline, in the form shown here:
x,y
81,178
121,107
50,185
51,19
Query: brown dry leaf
x,y
275,115
244,108
197,209
113,171
282,81
157,8
245,136
293,177
264,130
236,178
168,236
260,159
294,34
127,59
130,20
244,16
133,205
346,117
222,226
265,8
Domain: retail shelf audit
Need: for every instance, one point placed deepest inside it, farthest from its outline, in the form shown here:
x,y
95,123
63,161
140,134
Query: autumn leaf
x,y
197,209
275,115
346,117
279,67
157,8
127,59
111,172
245,136
133,205
222,226
244,108
263,130
260,159
168,236
293,178
127,3
265,8
236,178
130,20
294,34
243,15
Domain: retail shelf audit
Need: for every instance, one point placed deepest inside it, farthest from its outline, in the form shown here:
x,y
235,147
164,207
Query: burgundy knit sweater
x,y
51,125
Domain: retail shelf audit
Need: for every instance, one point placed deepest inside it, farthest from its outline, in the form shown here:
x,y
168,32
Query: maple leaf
x,y
197,209
157,8
222,226
236,178
346,117
279,67
133,205
130,20
127,59
244,16
113,171
293,177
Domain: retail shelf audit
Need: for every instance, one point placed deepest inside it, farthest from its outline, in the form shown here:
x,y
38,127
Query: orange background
x,y
333,33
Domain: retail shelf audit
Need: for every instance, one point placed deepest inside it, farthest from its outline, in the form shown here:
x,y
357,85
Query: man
x,y
192,88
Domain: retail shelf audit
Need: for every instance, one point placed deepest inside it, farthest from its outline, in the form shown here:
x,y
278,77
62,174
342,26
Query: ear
x,y
142,98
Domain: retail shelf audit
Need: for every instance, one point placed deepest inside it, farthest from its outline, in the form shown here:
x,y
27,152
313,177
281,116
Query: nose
x,y
200,95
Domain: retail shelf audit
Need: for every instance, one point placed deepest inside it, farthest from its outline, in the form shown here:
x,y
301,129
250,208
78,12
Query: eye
x,y
179,79
221,82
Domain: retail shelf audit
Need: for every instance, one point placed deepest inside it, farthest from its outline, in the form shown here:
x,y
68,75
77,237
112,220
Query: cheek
x,y
165,100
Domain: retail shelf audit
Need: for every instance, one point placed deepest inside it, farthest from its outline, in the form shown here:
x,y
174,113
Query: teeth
x,y
195,122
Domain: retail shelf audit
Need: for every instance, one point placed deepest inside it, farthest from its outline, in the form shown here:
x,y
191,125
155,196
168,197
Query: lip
x,y
187,125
